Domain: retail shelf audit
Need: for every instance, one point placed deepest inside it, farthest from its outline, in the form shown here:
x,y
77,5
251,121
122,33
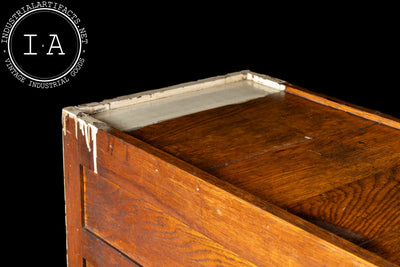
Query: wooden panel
x,y
342,105
72,187
98,253
250,227
214,137
88,264
387,246
359,211
289,175
335,169
145,233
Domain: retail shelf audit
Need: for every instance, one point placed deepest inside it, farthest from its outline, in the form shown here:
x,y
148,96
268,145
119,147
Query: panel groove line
x,y
146,234
101,240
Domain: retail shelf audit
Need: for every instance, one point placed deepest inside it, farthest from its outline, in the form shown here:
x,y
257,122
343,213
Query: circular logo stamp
x,y
44,43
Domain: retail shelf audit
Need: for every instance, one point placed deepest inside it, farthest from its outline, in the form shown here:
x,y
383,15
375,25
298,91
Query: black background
x,y
348,52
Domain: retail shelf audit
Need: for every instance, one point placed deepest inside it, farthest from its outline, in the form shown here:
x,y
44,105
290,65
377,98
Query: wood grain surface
x,y
387,246
359,211
372,115
218,136
346,183
97,252
248,226
145,233
72,188
291,174
337,170
278,180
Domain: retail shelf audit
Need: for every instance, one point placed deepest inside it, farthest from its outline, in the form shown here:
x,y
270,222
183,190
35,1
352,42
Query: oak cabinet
x,y
235,170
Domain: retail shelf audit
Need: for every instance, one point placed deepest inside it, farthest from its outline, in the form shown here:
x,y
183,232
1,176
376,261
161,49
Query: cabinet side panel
x,y
145,233
249,227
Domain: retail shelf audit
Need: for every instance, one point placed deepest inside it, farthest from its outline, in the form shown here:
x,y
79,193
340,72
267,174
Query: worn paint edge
x,y
88,127
132,99
87,124
266,80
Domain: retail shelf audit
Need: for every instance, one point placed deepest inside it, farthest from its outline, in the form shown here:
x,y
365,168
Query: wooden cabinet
x,y
235,170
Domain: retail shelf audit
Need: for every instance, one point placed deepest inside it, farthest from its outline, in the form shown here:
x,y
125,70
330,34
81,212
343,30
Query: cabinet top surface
x,y
335,169
328,163
146,108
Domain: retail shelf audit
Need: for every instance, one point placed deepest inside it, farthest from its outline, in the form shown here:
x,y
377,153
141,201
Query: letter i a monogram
x,y
55,37
52,45
44,45
30,43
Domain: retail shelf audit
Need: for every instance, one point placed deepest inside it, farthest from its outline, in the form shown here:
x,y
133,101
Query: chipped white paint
x,y
89,132
170,91
76,129
266,80
94,140
87,129
64,121
141,109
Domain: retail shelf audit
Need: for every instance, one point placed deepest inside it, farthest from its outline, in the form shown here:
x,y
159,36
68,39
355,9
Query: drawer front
x,y
144,233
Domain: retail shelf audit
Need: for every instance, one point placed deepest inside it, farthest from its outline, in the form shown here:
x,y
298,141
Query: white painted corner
x,y
86,125
266,80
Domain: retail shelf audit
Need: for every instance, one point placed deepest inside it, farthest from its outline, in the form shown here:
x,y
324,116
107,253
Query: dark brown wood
x,y
387,246
360,211
217,209
72,185
214,137
341,153
291,174
342,105
145,233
